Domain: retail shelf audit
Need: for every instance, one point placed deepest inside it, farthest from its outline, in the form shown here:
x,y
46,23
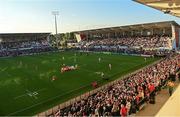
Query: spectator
x,y
123,111
170,87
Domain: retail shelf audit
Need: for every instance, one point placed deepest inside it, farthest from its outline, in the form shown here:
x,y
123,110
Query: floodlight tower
x,y
55,13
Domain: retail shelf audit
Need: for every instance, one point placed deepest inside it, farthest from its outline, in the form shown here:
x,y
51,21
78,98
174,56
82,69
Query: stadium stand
x,y
14,44
129,95
157,38
134,45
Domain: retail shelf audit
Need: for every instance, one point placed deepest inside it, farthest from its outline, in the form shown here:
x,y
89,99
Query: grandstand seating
x,y
14,44
135,45
24,47
145,42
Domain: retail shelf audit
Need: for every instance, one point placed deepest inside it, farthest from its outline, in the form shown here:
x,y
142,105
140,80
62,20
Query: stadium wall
x,y
172,107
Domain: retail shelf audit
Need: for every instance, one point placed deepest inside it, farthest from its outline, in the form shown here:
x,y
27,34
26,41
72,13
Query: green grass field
x,y
26,87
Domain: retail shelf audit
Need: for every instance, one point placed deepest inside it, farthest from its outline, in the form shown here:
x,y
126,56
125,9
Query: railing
x,y
87,94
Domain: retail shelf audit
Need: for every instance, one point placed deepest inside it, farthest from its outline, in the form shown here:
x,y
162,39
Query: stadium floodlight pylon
x,y
55,13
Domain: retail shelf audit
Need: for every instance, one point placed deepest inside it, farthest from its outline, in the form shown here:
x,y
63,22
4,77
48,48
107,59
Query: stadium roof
x,y
171,7
165,24
22,36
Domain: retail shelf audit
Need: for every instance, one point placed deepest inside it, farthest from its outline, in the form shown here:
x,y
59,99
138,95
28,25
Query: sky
x,y
22,16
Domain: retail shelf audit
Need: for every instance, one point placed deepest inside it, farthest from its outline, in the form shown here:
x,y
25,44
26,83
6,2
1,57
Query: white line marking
x,y
4,69
20,96
29,93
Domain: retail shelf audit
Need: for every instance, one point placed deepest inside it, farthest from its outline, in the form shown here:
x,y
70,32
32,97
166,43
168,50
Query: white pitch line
x,y
3,69
20,96
31,94
26,94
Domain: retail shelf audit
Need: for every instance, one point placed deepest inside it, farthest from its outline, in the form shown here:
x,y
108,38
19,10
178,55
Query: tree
x,y
65,37
52,40
60,40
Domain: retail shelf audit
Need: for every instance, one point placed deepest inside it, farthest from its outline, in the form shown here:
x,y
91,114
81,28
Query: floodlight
x,y
55,13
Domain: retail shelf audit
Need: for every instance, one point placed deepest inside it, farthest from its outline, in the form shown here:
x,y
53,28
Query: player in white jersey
x,y
99,59
110,66
145,59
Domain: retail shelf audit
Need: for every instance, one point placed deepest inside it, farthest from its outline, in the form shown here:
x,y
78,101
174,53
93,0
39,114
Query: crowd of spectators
x,y
129,45
126,96
24,47
145,42
135,45
163,42
24,44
